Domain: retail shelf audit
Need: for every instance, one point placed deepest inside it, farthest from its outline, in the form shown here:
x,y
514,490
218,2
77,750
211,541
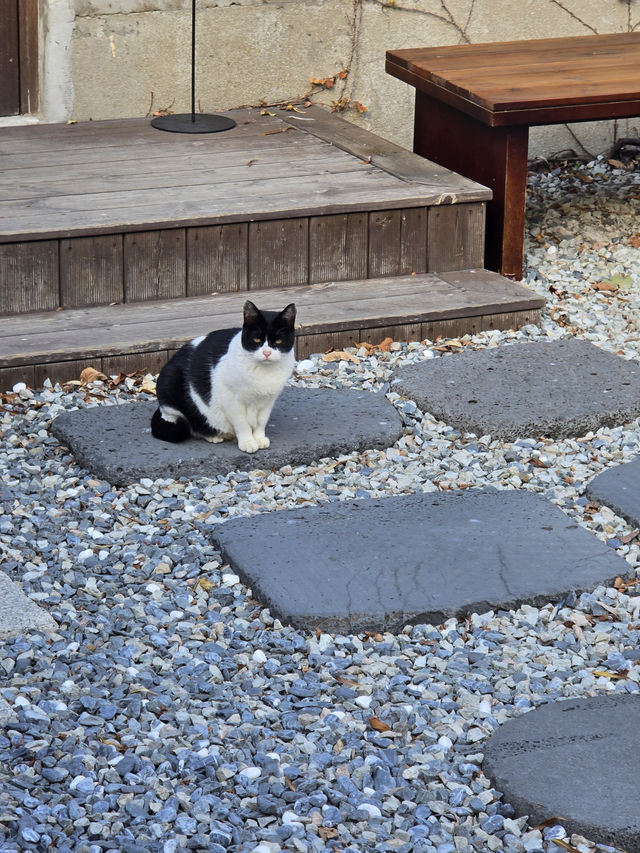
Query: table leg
x,y
493,156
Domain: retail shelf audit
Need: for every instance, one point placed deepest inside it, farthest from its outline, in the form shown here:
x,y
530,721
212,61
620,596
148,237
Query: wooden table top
x,y
532,81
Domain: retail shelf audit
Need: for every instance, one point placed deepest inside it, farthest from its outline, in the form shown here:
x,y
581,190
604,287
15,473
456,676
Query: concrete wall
x,y
114,58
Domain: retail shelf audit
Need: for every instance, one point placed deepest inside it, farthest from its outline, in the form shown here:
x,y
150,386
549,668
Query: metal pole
x,y
193,60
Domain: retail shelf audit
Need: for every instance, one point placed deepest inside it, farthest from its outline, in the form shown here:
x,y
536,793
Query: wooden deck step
x,y
116,211
59,344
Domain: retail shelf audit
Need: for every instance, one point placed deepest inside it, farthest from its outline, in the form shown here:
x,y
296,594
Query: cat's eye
x,y
257,340
278,341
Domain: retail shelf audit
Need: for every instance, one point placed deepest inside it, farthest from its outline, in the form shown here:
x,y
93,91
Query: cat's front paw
x,y
214,439
262,441
249,445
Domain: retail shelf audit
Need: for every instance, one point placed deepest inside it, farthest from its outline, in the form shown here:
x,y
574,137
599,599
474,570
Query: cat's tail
x,y
169,431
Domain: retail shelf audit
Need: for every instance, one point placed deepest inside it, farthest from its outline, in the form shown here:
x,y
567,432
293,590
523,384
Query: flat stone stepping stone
x,y
552,388
576,760
619,489
18,614
378,564
115,442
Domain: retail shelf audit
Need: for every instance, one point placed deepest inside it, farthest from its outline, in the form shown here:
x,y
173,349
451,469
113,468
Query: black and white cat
x,y
224,384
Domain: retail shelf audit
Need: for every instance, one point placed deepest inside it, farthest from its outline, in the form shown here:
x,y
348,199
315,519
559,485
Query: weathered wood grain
x,y
374,304
338,247
455,237
155,265
95,178
91,271
278,253
29,277
217,258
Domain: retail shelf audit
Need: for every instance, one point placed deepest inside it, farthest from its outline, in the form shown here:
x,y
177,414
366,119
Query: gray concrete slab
x,y
382,563
619,489
552,388
18,614
576,759
115,442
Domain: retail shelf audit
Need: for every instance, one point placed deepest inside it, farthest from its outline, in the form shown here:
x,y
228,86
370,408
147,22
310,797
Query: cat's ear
x,y
288,315
251,313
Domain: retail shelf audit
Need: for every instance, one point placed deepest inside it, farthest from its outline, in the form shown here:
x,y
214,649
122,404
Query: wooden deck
x,y
117,211
121,242
59,344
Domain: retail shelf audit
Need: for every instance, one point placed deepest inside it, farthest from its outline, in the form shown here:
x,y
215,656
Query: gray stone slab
x,y
552,388
115,442
382,563
619,489
576,759
18,614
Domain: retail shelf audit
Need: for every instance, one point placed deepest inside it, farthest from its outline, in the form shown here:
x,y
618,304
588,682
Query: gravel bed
x,y
171,713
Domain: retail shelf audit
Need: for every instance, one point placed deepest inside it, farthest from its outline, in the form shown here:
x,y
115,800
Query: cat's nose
x,y
267,353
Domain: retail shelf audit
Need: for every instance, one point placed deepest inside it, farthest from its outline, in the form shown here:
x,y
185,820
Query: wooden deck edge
x,y
336,308
388,156
151,361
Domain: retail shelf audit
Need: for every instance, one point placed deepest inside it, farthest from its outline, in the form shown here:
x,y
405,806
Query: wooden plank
x,y
413,240
29,277
385,155
406,332
9,58
322,309
217,258
65,183
455,237
28,35
63,371
150,362
155,265
338,247
91,271
269,244
459,326
384,243
10,376
100,213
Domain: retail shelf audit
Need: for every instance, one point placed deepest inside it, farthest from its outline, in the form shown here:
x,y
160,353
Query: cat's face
x,y
268,335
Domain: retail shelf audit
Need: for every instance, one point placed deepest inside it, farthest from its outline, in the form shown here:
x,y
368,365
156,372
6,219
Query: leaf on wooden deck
x,y
340,355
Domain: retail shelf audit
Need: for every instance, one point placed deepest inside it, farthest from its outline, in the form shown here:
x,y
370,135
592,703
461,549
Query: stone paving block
x,y
115,442
18,614
619,489
553,388
379,564
576,759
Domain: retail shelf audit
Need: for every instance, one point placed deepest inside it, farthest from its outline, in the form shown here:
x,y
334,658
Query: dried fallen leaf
x,y
604,673
605,287
206,584
346,681
378,725
565,845
266,113
327,832
635,241
339,355
289,784
148,385
90,374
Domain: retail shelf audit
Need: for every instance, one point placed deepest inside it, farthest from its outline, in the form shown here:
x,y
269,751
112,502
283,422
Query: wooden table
x,y
476,102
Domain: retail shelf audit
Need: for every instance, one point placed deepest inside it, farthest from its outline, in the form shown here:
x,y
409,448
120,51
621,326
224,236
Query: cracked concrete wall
x,y
116,58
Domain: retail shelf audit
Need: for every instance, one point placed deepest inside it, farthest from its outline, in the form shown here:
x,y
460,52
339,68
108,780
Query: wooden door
x,y
18,56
